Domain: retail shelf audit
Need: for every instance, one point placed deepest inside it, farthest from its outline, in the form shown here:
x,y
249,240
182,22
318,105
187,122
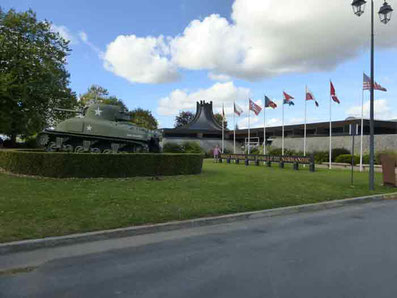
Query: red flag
x,y
255,108
333,93
287,97
310,96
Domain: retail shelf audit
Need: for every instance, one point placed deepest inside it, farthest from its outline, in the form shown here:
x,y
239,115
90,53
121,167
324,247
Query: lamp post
x,y
384,15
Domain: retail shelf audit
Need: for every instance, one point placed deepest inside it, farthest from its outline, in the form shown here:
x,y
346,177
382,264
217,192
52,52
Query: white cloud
x,y
263,38
84,38
254,122
219,93
64,32
218,77
141,60
257,121
382,110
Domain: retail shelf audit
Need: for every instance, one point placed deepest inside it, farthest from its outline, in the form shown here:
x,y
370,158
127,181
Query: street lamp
x,y
358,7
384,15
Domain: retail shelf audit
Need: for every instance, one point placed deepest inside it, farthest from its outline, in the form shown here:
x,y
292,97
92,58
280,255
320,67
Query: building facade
x,y
205,130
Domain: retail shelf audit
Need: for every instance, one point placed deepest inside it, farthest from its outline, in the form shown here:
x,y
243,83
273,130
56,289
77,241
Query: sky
x,y
166,55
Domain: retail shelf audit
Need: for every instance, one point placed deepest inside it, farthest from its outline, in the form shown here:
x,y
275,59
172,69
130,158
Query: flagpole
x,y
223,128
330,132
249,136
264,125
282,130
362,130
234,123
304,134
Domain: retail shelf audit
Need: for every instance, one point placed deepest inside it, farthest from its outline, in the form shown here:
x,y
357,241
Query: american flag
x,y
255,108
367,84
270,103
238,110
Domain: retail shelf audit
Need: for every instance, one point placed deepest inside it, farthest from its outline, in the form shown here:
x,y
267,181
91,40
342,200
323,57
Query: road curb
x,y
27,245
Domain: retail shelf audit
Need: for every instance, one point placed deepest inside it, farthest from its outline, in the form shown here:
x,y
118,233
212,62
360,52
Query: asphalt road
x,y
344,252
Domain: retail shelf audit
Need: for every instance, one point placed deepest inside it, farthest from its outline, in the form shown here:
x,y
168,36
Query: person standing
x,y
216,152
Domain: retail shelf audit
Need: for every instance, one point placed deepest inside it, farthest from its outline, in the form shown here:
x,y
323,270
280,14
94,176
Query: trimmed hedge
x,y
80,165
347,158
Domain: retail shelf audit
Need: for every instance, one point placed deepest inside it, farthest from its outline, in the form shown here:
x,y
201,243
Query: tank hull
x,y
95,132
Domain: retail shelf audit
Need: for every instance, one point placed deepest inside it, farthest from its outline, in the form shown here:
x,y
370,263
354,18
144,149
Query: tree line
x,y
34,80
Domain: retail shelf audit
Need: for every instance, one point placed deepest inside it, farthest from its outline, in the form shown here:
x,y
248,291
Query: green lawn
x,y
41,207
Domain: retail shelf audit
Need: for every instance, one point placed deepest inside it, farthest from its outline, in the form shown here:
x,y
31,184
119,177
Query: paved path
x,y
344,252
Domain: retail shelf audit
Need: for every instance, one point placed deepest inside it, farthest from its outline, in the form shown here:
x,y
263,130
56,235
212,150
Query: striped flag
x,y
270,103
255,108
333,93
237,110
310,96
367,84
288,99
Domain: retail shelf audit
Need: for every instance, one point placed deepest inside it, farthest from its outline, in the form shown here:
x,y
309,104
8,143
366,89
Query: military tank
x,y
99,128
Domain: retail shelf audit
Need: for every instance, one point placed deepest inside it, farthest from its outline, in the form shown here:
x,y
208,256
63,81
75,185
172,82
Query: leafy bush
x,y
186,147
387,152
347,158
254,151
321,156
192,147
338,151
173,148
60,165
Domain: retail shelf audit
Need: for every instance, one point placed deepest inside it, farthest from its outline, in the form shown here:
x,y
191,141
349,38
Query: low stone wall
x,y
382,142
206,144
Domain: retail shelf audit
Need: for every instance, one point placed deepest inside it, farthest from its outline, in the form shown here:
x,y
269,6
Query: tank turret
x,y
100,128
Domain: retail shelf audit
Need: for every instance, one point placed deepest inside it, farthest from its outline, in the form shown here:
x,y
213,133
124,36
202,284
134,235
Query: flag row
x,y
288,99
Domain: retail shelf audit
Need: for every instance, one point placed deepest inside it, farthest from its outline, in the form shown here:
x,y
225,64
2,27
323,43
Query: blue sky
x,y
93,25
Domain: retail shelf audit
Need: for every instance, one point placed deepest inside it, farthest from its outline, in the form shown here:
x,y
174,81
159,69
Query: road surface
x,y
344,252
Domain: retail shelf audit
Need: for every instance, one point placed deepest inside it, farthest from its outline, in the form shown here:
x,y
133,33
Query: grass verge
x,y
42,207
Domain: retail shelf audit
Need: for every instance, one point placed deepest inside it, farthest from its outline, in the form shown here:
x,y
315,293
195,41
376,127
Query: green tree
x,y
33,78
98,94
183,118
218,118
143,118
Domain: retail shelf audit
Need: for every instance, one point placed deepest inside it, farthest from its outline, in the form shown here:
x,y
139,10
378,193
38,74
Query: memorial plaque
x,y
269,159
389,170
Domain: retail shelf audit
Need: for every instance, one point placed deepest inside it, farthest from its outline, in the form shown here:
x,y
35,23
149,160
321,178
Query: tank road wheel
x,y
107,151
95,150
154,145
43,139
52,147
68,148
79,149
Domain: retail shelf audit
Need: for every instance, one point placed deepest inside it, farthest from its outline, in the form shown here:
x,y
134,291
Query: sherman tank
x,y
99,128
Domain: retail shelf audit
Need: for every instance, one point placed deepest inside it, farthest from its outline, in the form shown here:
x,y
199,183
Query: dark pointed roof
x,y
204,119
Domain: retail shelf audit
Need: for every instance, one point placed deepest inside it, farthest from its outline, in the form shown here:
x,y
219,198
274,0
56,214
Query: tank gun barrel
x,y
68,110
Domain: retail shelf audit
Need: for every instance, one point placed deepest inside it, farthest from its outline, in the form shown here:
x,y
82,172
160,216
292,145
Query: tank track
x,y
69,142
